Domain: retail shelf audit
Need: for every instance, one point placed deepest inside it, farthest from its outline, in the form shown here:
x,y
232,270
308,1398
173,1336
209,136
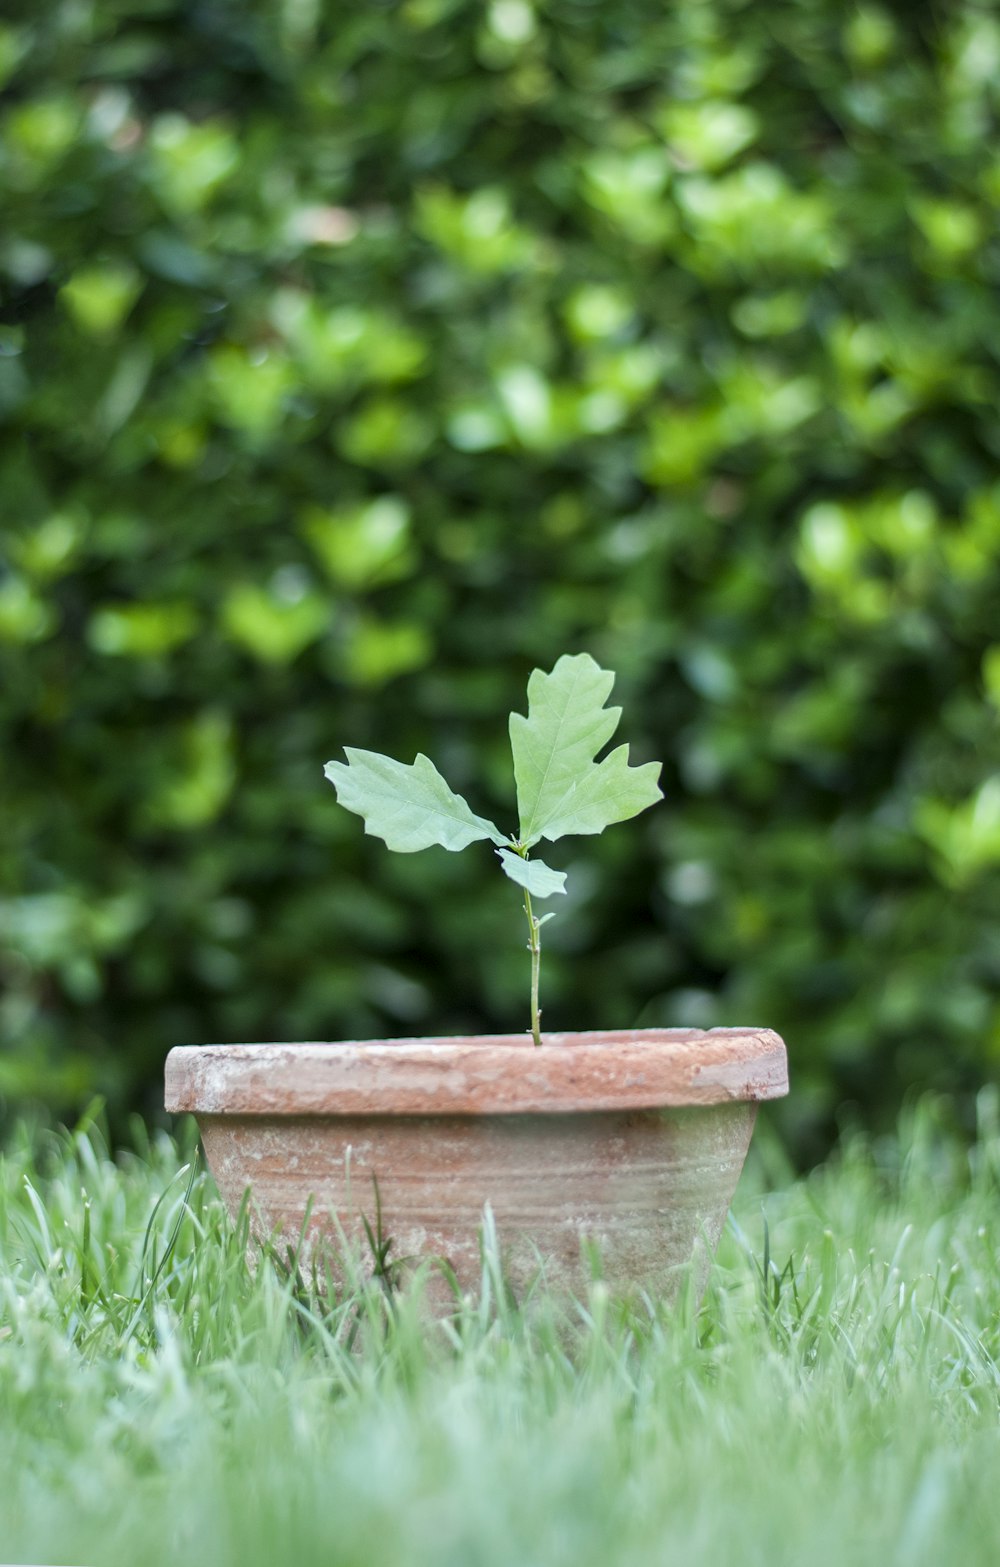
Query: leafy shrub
x,y
354,365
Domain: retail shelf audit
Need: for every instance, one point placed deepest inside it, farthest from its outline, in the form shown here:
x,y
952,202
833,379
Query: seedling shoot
x,y
562,789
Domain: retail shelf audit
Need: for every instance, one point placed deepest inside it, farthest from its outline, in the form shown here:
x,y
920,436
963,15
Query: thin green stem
x,y
535,948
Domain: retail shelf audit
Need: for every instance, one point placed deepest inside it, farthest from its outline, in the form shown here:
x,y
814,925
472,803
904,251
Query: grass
x,y
833,1400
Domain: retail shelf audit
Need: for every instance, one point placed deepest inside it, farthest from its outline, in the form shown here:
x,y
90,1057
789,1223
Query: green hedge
x,y
355,362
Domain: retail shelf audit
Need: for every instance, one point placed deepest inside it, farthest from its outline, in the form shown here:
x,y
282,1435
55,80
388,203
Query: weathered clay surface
x,y
494,1074
649,1187
634,1142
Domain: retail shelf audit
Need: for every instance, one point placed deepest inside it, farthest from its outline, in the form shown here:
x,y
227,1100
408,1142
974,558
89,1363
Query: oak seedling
x,y
562,789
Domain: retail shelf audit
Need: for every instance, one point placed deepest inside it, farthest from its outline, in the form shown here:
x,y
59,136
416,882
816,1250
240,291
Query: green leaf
x,y
560,788
411,807
535,875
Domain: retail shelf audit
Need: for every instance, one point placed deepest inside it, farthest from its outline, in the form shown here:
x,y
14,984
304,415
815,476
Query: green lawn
x,y
834,1400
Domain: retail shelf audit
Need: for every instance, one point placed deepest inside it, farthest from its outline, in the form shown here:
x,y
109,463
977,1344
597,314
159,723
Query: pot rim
x,y
479,1075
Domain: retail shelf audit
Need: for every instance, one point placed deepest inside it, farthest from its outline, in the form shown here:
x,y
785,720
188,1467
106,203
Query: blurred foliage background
x,y
354,361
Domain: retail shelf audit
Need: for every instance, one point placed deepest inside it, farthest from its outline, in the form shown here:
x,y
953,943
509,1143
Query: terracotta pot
x,y
633,1141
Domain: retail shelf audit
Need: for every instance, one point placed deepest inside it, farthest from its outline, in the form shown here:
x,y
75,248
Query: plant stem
x,y
535,948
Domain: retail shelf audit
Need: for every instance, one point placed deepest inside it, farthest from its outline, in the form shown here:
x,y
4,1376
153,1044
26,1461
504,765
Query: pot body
x,y
623,1148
